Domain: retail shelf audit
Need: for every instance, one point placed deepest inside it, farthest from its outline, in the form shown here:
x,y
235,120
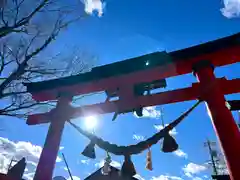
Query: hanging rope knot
x,y
89,150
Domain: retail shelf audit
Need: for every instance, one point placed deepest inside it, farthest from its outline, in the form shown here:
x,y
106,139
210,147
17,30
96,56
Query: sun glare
x,y
90,122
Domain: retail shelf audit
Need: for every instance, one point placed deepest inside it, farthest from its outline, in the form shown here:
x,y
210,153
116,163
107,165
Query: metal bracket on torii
x,y
123,78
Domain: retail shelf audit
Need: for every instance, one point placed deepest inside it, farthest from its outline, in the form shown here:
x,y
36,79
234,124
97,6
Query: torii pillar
x,y
223,122
60,115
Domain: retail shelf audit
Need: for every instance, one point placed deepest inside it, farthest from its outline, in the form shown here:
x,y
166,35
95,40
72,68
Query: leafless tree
x,y
28,28
22,16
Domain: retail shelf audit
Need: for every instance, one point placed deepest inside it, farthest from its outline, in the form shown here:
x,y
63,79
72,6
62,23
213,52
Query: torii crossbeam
x,y
122,79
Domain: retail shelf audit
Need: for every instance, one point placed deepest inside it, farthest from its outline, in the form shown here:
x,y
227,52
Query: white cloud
x,y
231,8
17,150
192,169
83,161
65,168
139,177
166,177
188,174
113,164
61,148
94,5
150,112
160,127
180,153
28,176
138,137
197,178
58,159
74,178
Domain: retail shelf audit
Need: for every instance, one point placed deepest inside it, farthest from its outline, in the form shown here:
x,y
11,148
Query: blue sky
x,y
128,29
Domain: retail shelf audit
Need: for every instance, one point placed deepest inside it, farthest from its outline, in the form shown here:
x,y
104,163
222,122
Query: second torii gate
x,y
122,78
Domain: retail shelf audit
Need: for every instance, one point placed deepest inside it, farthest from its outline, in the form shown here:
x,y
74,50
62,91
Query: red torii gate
x,y
121,77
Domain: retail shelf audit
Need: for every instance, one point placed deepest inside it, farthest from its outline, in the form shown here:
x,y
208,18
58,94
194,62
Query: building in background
x,y
113,175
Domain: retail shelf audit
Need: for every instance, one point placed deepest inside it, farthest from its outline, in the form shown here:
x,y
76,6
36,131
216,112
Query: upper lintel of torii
x,y
157,66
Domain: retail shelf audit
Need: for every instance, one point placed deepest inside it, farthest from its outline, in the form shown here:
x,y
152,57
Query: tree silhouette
x,y
28,28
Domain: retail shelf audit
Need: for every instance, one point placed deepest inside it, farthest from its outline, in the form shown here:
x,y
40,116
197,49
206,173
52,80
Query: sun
x,y
90,122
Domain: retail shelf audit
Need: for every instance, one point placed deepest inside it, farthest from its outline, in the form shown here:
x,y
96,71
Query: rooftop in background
x,y
221,177
114,175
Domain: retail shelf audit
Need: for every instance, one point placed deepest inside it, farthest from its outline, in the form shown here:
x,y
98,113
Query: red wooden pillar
x,y
49,153
222,119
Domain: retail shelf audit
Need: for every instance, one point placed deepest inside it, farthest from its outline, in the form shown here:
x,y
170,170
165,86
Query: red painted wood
x,y
49,153
185,94
5,177
184,66
222,119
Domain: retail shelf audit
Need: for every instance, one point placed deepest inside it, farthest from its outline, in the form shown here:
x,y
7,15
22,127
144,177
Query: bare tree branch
x,y
13,93
2,63
2,16
20,70
23,56
5,30
18,5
